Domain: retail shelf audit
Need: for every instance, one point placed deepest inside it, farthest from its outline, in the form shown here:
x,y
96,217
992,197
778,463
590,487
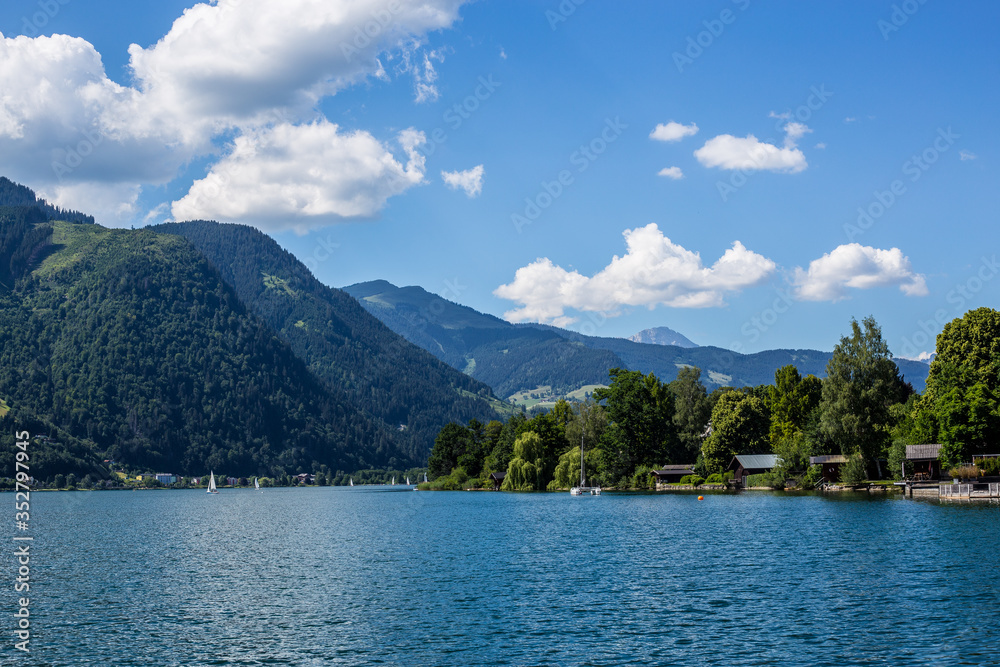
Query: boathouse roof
x,y
827,458
756,461
922,452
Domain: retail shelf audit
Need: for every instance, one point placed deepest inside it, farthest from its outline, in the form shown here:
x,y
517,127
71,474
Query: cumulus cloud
x,y
654,271
67,122
299,176
237,59
225,67
854,266
749,153
673,131
470,180
671,172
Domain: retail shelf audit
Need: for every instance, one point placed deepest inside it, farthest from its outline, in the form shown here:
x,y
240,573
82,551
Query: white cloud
x,y
470,180
671,172
780,116
301,176
728,152
68,123
966,155
821,145
673,131
854,266
654,271
851,119
224,68
239,59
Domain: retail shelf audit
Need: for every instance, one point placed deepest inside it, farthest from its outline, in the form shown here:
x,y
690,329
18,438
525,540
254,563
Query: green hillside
x,y
509,359
342,344
128,345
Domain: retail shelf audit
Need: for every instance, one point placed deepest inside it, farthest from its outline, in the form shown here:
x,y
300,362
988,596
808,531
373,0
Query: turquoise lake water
x,y
368,575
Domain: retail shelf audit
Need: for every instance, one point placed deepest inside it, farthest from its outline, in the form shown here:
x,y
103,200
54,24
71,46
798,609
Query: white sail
x,y
394,480
211,484
256,484
408,481
352,481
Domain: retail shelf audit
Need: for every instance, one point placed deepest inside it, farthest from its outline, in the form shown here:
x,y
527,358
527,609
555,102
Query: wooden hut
x,y
671,474
497,479
925,460
831,465
744,465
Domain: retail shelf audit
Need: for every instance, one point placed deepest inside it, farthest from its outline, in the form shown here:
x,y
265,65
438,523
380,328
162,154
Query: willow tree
x,y
524,471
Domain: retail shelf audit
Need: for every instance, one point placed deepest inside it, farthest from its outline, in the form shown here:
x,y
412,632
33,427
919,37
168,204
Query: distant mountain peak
x,y
662,336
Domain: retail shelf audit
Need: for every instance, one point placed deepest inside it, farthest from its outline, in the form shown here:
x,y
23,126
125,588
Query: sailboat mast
x,y
582,482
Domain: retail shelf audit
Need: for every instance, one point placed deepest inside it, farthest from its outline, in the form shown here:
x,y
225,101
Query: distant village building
x,y
166,478
744,465
831,464
925,460
305,478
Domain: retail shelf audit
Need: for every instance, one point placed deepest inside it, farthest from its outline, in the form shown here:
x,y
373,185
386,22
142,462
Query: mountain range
x,y
534,359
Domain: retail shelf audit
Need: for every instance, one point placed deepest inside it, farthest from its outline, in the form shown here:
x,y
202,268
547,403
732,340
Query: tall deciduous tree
x,y
961,406
861,386
792,398
692,409
740,425
642,431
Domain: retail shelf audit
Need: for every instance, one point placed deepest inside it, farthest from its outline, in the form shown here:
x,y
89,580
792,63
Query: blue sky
x,y
503,154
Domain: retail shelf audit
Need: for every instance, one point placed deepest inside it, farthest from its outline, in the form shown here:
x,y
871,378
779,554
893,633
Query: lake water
x,y
368,575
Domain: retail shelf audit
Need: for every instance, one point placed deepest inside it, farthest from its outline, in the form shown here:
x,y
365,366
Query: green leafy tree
x,y
524,471
449,445
861,386
641,410
692,409
740,425
792,400
961,406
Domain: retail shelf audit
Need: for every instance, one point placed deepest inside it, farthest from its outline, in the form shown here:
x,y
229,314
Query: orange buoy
x,y
701,497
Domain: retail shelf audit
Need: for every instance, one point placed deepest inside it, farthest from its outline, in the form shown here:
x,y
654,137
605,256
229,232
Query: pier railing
x,y
991,490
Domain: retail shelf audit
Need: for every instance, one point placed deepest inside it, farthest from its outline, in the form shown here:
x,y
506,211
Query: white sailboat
x,y
211,484
408,481
256,484
352,481
394,480
583,489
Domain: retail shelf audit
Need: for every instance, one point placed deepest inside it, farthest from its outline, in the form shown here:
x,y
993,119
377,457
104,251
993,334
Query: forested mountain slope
x,y
342,344
131,345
